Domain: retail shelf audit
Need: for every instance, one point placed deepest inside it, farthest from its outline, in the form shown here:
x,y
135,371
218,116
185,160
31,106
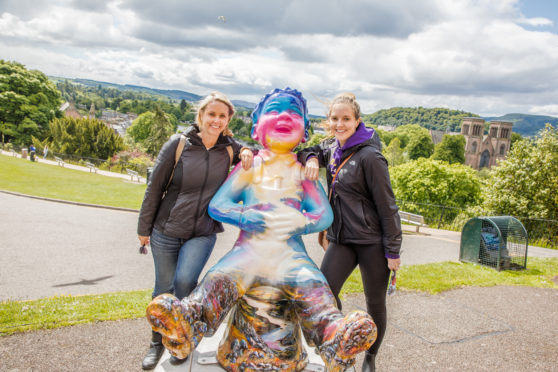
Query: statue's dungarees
x,y
275,276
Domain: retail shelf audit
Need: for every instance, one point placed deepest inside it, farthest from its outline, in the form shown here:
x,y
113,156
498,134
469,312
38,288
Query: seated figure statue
x,y
267,279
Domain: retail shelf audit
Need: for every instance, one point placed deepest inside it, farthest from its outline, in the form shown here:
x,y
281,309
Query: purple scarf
x,y
361,134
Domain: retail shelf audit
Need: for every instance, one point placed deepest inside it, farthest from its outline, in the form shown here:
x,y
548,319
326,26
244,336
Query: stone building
x,y
485,150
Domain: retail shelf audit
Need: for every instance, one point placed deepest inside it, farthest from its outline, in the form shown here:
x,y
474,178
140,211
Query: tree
x,y
28,101
420,146
525,184
451,149
83,137
514,138
394,153
160,131
406,132
141,126
183,105
436,182
143,133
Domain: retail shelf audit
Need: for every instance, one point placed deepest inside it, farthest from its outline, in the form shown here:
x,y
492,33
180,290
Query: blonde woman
x,y
175,220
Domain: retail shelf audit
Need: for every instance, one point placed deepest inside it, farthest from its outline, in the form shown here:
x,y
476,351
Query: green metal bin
x,y
496,241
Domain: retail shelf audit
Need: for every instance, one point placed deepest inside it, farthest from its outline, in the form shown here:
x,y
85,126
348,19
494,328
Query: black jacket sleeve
x,y
157,185
320,151
376,174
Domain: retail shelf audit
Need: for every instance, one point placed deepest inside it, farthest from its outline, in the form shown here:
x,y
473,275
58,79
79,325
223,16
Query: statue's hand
x,y
286,225
253,218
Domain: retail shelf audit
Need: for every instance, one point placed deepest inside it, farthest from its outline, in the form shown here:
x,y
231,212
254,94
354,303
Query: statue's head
x,y
280,120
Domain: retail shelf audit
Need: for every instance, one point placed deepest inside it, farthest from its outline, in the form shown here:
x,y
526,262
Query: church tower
x,y
485,150
472,129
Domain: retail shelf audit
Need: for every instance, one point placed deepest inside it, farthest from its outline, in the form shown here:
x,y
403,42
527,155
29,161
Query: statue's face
x,y
280,128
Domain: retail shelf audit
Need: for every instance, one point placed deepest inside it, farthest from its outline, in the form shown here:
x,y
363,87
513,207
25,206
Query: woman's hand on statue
x,y
394,263
247,158
312,169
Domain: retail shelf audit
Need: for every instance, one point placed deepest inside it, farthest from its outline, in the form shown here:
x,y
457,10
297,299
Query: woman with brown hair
x,y
173,216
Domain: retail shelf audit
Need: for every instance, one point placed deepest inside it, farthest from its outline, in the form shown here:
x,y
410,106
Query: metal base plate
x,y
204,358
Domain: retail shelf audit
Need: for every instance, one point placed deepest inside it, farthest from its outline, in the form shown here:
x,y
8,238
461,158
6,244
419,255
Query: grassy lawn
x,y
59,311
51,181
438,277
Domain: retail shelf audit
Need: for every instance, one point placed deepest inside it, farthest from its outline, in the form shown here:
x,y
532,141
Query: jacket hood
x,y
373,142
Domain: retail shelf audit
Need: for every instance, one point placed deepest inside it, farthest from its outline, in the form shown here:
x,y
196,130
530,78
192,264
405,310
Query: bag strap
x,y
337,171
179,149
230,151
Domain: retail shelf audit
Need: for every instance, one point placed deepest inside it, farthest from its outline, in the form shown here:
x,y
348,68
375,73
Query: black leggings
x,y
339,262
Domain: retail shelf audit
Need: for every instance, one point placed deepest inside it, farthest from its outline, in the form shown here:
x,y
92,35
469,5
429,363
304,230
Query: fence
x,y
541,232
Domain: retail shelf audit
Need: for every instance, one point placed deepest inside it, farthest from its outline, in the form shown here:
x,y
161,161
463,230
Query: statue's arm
x,y
225,205
315,207
229,203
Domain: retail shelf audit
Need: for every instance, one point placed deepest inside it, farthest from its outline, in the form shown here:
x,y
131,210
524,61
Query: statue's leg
x,y
184,323
338,338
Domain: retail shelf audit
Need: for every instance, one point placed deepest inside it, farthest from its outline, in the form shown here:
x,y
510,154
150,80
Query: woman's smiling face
x,y
280,128
342,122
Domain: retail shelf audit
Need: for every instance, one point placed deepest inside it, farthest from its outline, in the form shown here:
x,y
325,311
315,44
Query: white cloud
x,y
465,54
538,21
550,110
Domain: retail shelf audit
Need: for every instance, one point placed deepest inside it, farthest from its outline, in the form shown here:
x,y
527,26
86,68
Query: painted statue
x,y
268,281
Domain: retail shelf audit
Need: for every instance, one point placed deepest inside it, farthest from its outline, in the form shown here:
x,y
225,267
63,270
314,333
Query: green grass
x,y
438,277
60,311
41,179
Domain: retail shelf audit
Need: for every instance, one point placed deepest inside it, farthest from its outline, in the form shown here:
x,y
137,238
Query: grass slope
x,y
41,179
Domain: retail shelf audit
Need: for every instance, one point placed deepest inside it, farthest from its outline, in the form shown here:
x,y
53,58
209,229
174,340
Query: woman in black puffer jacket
x,y
366,229
176,223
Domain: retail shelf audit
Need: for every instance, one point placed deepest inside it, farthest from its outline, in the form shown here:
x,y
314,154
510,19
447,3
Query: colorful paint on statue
x,y
275,291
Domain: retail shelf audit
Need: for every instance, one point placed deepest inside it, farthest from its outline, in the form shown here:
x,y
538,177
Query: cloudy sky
x,y
489,57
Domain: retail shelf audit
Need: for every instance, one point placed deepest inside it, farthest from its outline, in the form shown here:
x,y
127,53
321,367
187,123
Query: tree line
x,y
431,118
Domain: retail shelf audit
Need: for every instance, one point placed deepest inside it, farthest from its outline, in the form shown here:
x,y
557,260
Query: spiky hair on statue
x,y
295,96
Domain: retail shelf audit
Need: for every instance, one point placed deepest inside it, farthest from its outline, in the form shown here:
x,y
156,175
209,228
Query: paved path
x,y
50,248
53,248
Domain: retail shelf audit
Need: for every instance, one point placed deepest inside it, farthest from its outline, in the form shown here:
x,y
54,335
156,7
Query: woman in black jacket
x,y
366,229
175,220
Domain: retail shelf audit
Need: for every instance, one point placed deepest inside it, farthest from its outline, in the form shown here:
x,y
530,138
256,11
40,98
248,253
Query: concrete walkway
x,y
53,248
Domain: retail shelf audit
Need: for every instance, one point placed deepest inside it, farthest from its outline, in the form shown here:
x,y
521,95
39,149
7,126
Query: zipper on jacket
x,y
201,192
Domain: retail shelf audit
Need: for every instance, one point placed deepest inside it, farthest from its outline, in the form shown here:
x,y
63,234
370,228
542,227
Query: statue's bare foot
x,y
177,322
353,334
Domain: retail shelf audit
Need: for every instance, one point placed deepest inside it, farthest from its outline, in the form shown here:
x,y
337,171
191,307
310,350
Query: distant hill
x,y
172,94
447,119
526,125
430,118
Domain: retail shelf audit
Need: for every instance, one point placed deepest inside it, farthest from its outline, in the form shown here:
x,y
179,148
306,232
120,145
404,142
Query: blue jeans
x,y
179,262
